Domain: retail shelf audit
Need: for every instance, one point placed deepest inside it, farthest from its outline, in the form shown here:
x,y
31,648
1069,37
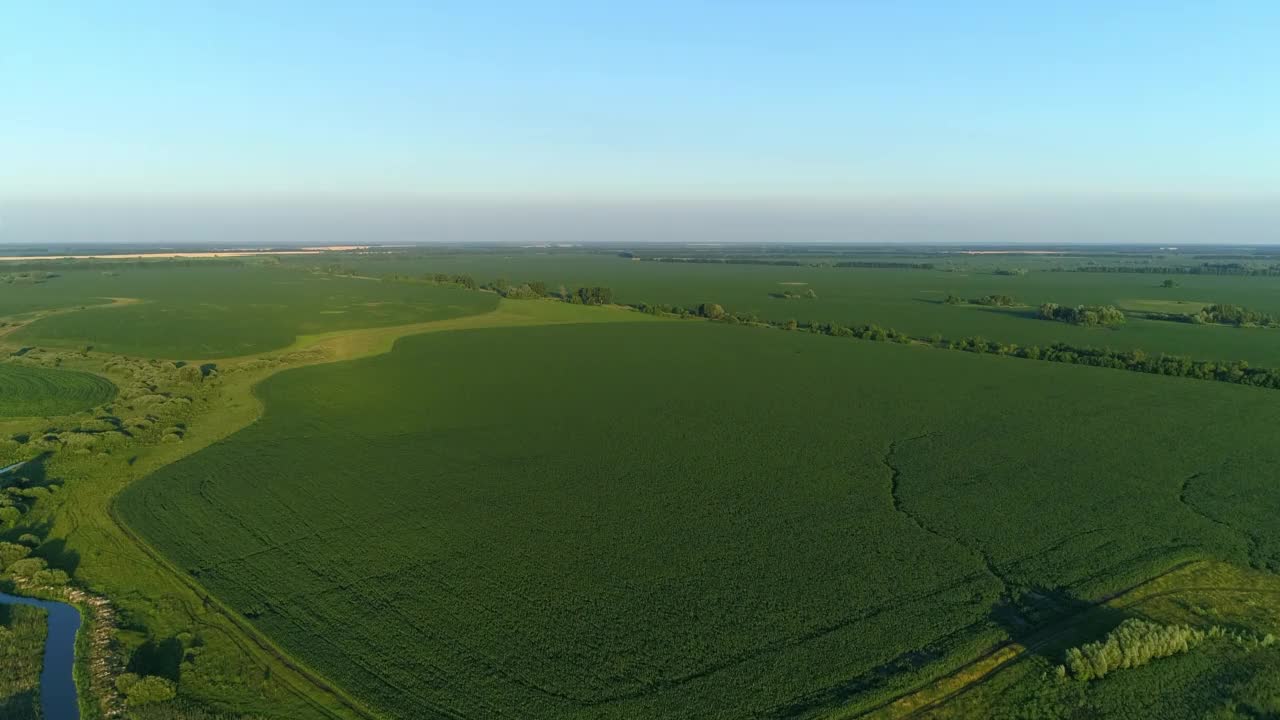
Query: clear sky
x,y
837,103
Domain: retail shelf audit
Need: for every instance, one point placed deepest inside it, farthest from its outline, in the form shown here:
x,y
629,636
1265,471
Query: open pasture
x,y
910,301
214,311
691,519
35,391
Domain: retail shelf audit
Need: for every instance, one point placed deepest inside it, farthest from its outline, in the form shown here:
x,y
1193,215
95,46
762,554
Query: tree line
x,y
720,261
1201,269
1237,372
1136,642
536,289
988,300
808,294
867,264
1221,314
531,290
1082,314
884,265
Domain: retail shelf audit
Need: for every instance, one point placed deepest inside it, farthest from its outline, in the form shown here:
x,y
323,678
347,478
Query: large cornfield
x,y
692,519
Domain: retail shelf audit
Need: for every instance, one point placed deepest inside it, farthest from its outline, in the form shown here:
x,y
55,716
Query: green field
x,y
216,312
690,519
391,497
30,391
907,300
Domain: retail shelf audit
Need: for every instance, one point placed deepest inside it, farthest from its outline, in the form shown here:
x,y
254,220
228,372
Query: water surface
x,y
57,680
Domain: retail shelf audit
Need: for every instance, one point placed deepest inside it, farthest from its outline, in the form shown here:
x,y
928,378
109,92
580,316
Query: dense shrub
x,y
1134,643
1082,314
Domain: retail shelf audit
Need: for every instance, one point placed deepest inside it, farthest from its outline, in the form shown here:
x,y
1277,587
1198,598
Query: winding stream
x,y
57,681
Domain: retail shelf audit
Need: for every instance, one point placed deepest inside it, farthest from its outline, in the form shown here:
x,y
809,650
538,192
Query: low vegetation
x,y
22,633
29,277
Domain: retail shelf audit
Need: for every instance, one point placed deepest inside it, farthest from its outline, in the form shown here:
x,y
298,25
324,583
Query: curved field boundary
x,y
27,391
22,320
242,407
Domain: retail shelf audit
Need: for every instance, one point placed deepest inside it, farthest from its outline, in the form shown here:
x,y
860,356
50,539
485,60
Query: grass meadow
x,y
686,519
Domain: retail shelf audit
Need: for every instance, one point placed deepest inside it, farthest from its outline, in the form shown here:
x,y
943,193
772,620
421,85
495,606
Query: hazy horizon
x,y
1159,221
397,121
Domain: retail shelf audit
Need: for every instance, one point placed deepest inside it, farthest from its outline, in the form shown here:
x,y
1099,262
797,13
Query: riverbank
x,y
58,698
93,664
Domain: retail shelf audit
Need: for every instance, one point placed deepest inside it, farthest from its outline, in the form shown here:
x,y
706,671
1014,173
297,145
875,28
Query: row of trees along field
x,y
536,289
1221,314
532,290
1201,269
1238,371
1082,314
731,260
988,300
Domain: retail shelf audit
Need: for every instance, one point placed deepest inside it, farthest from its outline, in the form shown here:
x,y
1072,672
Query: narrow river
x,y
57,681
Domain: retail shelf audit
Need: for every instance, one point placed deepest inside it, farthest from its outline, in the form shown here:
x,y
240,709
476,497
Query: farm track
x,y
987,666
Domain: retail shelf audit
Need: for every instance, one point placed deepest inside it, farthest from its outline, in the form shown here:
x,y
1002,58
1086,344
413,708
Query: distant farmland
x,y
696,520
211,313
910,300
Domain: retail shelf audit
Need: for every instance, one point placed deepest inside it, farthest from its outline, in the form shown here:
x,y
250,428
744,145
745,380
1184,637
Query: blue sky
x,y
824,101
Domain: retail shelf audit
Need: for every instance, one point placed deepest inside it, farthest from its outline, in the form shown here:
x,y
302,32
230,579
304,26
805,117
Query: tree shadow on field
x,y
1048,621
860,685
55,553
6,616
162,658
31,474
